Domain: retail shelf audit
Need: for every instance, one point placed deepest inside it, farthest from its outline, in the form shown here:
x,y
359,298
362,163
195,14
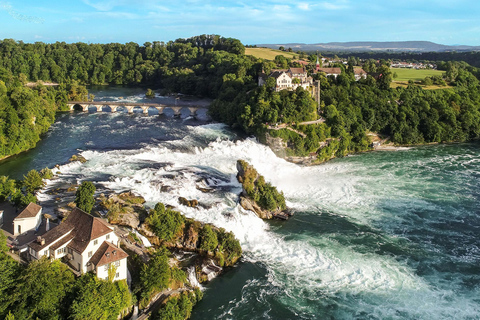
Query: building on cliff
x,y
287,79
86,243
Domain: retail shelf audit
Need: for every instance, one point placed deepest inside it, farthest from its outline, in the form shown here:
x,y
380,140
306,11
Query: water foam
x,y
379,285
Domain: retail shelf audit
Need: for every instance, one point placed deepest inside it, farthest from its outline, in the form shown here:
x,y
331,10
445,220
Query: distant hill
x,y
364,46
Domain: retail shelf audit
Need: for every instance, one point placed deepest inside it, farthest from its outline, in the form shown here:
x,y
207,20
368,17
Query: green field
x,y
404,74
268,54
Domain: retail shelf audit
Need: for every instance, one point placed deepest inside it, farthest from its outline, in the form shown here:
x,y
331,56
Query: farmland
x,y
268,54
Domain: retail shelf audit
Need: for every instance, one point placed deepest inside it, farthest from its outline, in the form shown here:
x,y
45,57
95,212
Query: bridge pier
x,y
145,109
160,110
130,108
99,107
84,107
71,106
193,112
177,112
113,108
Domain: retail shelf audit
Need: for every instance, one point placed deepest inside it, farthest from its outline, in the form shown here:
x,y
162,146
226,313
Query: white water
x,y
378,285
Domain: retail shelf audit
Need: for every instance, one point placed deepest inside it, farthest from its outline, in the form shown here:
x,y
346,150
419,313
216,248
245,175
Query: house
x,y
29,219
335,72
359,74
289,79
86,243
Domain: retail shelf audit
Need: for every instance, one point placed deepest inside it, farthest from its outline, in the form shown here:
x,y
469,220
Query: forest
x,y
216,67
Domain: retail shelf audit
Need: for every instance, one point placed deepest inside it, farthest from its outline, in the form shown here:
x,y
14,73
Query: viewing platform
x,y
114,106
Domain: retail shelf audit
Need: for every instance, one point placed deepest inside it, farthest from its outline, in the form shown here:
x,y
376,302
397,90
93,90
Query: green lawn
x,y
268,54
404,74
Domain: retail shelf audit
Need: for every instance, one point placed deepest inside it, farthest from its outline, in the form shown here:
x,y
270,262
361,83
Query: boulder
x,y
189,203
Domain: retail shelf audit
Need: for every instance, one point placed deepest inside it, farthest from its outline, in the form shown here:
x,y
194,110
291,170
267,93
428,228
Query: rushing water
x,y
381,235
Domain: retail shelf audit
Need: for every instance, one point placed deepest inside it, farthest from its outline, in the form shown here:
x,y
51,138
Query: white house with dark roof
x,y
88,244
29,219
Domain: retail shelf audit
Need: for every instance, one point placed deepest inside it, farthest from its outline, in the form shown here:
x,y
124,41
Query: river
x,y
380,235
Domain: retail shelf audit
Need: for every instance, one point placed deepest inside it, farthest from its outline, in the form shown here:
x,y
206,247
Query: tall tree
x,y
84,196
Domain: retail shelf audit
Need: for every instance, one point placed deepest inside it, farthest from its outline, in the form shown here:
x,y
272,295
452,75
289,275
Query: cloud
x,y
18,16
303,6
338,5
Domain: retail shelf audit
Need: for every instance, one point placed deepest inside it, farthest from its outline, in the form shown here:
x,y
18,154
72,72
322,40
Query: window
x,y
117,275
69,250
107,237
90,254
45,252
61,250
117,263
95,242
105,268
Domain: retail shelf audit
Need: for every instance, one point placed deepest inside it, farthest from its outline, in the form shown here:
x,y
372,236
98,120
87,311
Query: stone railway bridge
x,y
130,106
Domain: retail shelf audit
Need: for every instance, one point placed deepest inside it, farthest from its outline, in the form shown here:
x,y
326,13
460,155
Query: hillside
x,y
365,46
266,53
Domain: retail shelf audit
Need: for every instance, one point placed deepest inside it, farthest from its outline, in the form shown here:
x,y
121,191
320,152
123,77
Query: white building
x,y
287,79
29,219
88,243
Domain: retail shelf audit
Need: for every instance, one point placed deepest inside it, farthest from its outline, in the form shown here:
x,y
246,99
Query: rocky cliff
x,y
259,196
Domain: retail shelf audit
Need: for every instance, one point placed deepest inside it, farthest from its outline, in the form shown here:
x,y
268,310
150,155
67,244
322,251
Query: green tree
x,y
155,274
42,289
84,196
208,239
165,223
99,299
32,181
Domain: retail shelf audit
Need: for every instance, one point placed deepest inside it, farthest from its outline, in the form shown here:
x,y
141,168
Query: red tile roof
x,y
83,226
30,211
86,228
107,253
331,70
297,70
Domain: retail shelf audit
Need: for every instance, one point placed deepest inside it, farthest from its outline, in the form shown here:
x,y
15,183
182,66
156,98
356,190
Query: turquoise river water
x,y
380,235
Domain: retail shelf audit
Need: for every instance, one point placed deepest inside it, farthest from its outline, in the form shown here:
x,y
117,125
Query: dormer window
x,y
95,242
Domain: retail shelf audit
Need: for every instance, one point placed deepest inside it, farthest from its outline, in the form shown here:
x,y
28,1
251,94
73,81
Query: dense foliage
x,y
21,193
98,299
180,307
84,196
25,113
263,193
49,290
193,66
165,223
171,227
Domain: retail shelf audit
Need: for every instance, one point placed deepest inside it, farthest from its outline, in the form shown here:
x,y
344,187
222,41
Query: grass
x,y
268,54
417,75
404,74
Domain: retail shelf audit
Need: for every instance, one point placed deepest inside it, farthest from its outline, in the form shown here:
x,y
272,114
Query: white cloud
x,y
303,6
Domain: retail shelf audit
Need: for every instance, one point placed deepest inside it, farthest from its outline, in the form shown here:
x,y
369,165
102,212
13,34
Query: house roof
x,y
83,226
86,228
107,253
304,63
297,70
330,70
30,211
51,236
62,242
278,73
359,71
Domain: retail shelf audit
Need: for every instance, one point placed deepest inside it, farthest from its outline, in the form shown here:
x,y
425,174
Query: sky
x,y
252,21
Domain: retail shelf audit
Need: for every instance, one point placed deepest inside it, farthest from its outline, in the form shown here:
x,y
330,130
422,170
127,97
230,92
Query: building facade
x,y
29,219
86,243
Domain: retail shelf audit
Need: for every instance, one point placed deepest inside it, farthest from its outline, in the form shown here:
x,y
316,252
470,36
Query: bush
x,y
165,223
